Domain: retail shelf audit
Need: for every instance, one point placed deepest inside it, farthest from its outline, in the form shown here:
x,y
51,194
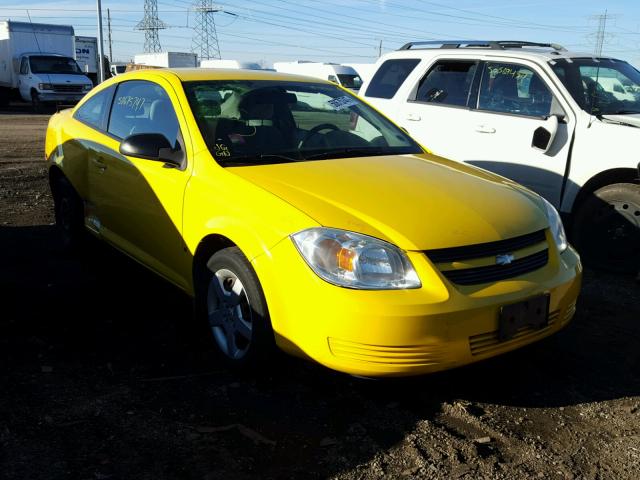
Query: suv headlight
x,y
353,260
555,223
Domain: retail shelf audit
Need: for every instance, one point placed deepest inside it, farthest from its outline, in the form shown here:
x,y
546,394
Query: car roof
x,y
201,74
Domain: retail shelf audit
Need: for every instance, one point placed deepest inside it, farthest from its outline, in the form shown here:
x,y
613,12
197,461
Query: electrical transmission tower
x,y
205,38
150,24
602,26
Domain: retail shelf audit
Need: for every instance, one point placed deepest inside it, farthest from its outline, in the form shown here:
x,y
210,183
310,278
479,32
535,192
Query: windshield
x,y
42,64
601,86
249,122
350,81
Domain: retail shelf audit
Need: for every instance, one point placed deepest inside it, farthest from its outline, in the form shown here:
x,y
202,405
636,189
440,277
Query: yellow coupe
x,y
298,216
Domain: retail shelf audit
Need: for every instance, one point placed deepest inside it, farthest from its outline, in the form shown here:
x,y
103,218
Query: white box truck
x,y
36,60
167,59
347,77
86,55
233,64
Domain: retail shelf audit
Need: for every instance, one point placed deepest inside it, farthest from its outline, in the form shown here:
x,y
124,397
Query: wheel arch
x,y
602,179
208,246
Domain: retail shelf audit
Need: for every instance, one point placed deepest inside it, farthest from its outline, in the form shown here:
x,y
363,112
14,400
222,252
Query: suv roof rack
x,y
493,44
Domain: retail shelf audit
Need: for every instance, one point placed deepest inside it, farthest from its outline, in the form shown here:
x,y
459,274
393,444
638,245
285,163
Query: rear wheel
x,y
606,228
69,214
233,307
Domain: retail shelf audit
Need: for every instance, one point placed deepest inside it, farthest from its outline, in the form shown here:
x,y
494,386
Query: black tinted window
x,y
514,89
447,83
391,74
94,111
143,107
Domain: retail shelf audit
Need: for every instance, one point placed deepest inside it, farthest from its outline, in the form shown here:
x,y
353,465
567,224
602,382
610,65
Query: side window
x,y
390,76
447,83
514,89
24,66
95,110
143,107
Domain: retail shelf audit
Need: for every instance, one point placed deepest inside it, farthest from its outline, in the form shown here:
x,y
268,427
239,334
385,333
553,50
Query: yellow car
x,y
298,216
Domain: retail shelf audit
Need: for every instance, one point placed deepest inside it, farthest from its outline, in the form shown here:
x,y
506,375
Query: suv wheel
x,y
232,305
606,228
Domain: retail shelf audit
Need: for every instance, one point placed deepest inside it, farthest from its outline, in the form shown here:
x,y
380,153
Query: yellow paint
x,y
159,216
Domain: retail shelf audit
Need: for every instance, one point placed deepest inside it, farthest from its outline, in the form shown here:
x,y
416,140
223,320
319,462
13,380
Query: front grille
x,y
489,342
479,250
411,355
67,88
494,273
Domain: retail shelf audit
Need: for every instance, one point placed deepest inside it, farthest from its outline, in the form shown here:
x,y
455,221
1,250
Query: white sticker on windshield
x,y
340,103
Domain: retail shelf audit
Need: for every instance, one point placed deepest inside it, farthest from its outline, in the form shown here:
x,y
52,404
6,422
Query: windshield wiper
x,y
622,112
338,153
259,159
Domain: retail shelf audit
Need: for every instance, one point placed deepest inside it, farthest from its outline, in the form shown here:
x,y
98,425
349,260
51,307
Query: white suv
x,y
566,125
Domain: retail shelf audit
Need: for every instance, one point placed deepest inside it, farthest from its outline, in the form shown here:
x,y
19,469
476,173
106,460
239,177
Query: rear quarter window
x,y
390,76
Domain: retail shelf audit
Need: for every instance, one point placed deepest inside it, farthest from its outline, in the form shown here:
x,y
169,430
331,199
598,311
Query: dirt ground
x,y
102,376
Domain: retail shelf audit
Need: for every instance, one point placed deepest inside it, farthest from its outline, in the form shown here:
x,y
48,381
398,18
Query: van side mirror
x,y
151,146
544,136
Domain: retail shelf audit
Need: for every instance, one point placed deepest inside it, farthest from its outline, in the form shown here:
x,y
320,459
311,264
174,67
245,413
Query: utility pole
x,y
150,24
205,38
380,49
109,32
602,26
100,46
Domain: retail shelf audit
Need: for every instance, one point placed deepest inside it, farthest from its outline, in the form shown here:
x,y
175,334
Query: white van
x,y
566,125
344,76
36,59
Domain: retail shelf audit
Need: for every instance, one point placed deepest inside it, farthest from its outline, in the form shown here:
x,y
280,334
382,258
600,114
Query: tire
x,y
4,97
606,228
69,215
232,308
36,104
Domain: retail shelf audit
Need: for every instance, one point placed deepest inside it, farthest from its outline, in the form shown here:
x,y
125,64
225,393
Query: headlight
x,y
354,260
555,223
86,88
45,86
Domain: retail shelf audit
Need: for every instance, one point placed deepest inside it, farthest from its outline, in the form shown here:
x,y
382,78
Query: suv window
x,y
94,111
514,89
447,83
391,74
143,107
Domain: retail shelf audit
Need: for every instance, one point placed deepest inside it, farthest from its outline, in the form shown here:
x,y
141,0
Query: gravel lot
x,y
103,377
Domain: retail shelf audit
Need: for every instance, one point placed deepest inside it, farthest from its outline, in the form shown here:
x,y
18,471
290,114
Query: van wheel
x,y
606,228
231,304
36,104
69,214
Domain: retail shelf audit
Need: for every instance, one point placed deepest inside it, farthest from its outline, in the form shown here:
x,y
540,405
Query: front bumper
x,y
60,97
405,332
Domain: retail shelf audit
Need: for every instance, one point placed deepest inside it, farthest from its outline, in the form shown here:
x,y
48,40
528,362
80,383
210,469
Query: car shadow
x,y
103,372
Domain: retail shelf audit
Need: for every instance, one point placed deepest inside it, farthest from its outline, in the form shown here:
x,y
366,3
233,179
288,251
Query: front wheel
x,y
606,228
36,103
235,310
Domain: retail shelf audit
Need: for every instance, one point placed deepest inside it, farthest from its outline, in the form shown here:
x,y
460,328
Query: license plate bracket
x,y
533,313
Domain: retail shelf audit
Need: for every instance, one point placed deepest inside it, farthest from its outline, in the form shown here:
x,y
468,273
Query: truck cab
x,y
50,78
343,75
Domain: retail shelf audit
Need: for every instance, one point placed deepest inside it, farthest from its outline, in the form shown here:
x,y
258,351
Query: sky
x,y
348,31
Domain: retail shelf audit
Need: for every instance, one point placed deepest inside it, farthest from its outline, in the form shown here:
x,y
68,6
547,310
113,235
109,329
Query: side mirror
x,y
543,137
151,146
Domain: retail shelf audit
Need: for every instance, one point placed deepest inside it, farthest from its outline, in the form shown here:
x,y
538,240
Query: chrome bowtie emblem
x,y
504,259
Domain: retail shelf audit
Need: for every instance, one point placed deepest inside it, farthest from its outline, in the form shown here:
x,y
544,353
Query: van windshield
x,y
601,86
252,122
46,64
350,81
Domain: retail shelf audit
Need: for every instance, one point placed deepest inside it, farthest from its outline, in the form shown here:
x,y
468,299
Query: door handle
x,y
414,117
100,164
485,129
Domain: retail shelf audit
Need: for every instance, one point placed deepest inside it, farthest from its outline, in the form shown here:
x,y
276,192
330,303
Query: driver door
x,y
514,101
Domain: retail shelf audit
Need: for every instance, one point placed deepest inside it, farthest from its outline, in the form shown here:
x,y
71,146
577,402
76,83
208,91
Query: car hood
x,y
62,78
408,200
